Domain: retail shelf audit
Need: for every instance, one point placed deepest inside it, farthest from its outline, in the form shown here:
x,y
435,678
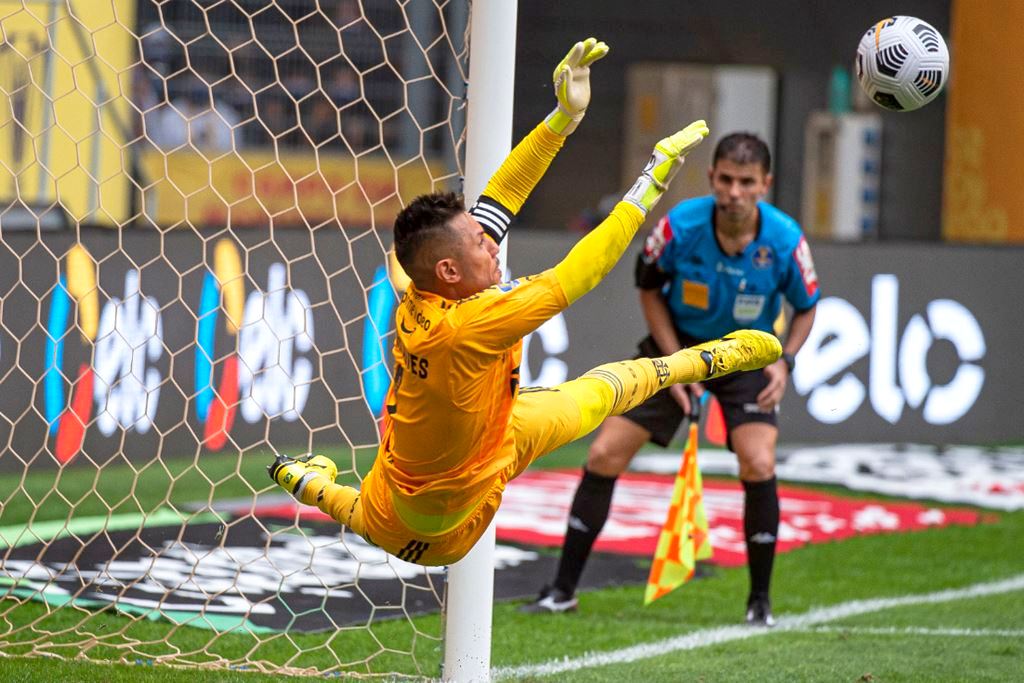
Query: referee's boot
x,y
738,351
295,475
551,601
759,610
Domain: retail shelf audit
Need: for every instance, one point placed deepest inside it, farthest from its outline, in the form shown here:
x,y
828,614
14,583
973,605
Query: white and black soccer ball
x,y
902,63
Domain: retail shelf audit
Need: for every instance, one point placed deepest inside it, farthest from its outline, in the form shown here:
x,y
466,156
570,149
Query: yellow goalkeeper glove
x,y
665,161
572,85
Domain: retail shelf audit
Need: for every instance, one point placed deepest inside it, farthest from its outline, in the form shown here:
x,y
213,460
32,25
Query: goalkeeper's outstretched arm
x,y
498,317
512,183
595,255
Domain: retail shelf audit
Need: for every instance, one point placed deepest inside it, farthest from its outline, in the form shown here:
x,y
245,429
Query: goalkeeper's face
x,y
737,189
476,257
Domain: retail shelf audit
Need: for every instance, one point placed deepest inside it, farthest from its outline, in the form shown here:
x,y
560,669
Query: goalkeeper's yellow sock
x,y
614,388
311,480
342,503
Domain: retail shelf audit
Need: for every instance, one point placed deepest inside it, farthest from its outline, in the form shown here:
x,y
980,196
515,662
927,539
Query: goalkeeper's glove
x,y
665,161
572,85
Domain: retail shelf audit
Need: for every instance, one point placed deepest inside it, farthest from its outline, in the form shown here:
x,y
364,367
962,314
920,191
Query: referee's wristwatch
x,y
789,360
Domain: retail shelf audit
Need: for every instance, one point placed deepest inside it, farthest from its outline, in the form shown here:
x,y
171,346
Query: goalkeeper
x,y
457,427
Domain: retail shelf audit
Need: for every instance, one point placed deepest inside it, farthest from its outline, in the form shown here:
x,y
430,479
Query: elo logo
x,y
840,337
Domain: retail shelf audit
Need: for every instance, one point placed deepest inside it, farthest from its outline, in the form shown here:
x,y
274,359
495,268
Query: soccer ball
x,y
902,63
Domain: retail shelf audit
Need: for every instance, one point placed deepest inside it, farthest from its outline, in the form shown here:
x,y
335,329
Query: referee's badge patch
x,y
748,307
696,294
763,257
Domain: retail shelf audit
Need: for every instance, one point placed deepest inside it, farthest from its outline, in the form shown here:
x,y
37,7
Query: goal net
x,y
196,199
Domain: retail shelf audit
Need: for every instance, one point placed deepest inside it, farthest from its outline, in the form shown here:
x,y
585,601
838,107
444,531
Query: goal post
x,y
196,201
492,50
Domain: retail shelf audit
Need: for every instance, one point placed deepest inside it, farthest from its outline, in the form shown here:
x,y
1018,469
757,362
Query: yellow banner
x,y
64,120
982,201
257,188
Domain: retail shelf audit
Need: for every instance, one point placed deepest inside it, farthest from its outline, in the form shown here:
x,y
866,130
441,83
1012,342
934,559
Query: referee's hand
x,y
777,374
684,393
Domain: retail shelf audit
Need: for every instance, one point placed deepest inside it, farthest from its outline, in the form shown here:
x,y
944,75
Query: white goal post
x,y
492,50
196,201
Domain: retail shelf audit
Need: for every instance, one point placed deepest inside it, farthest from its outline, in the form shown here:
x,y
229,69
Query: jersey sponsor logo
x,y
658,238
417,315
508,286
401,325
763,257
729,270
748,307
696,294
802,254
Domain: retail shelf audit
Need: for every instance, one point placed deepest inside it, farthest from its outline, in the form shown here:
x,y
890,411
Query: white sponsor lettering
x,y
874,517
272,381
840,337
992,478
802,254
234,579
554,339
129,340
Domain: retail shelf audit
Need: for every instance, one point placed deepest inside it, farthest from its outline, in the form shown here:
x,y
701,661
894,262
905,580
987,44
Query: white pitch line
x,y
916,631
724,634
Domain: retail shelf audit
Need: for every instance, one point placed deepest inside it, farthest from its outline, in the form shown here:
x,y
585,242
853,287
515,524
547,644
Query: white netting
x,y
195,208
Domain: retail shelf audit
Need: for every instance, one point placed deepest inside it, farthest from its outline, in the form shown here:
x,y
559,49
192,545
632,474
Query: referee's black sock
x,y
587,516
761,527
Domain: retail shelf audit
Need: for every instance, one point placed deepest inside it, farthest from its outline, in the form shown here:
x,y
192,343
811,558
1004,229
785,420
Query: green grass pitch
x,y
974,638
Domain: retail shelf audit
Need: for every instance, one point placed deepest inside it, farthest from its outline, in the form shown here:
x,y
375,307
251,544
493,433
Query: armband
x,y
648,275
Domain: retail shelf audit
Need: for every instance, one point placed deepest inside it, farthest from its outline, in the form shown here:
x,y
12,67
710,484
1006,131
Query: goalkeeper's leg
x,y
311,480
615,388
545,420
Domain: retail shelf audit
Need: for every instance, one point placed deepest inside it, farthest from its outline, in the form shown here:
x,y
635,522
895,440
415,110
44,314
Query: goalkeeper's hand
x,y
572,85
665,161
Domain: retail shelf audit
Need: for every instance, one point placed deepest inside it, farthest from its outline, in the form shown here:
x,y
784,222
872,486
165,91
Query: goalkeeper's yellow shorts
x,y
542,420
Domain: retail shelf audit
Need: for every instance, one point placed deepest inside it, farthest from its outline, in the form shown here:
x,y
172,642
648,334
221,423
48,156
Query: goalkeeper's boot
x,y
759,610
740,350
303,477
551,601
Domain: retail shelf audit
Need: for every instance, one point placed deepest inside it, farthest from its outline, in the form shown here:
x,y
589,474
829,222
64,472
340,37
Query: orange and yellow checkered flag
x,y
684,536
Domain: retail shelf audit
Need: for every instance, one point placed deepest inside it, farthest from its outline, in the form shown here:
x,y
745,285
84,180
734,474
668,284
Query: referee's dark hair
x,y
743,148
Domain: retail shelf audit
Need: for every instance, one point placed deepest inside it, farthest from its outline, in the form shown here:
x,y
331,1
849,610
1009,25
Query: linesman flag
x,y
684,536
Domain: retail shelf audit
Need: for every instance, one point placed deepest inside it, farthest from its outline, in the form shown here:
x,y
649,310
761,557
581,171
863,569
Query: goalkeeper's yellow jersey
x,y
447,441
448,448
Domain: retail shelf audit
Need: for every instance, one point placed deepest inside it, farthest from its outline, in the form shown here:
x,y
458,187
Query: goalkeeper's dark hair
x,y
423,235
743,148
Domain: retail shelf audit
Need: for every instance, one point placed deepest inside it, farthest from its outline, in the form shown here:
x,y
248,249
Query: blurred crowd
x,y
234,84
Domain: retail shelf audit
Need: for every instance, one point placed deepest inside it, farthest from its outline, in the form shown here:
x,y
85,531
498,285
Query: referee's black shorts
x,y
737,394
